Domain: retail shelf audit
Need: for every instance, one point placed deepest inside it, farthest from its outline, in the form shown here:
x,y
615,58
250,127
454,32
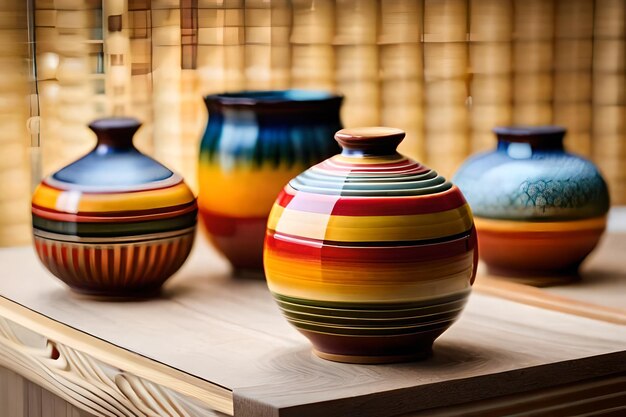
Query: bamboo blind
x,y
446,71
14,93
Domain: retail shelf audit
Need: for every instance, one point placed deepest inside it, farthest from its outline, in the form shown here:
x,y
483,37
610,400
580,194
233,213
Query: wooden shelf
x,y
214,345
600,291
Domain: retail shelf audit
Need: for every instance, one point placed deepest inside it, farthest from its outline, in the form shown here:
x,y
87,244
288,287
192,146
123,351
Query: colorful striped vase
x,y
369,254
115,222
254,143
539,210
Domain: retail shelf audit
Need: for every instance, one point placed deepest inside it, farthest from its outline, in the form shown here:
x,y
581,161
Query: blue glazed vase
x,y
539,210
254,143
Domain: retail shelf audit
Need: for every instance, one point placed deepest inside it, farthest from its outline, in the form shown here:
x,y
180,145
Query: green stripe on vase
x,y
359,306
114,229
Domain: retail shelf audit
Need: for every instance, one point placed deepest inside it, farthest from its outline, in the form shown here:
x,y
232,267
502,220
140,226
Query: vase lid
x,y
107,178
114,165
370,166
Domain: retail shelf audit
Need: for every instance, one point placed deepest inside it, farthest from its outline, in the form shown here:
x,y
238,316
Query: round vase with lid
x,y
369,254
254,143
115,222
539,210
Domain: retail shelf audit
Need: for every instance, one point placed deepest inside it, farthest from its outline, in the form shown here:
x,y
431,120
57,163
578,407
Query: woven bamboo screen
x,y
14,140
446,71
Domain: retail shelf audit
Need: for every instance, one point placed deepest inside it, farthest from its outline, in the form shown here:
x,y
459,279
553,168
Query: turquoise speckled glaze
x,y
530,176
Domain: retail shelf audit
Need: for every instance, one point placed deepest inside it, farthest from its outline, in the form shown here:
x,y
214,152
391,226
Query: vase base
x,y
240,240
535,278
535,253
374,360
249,273
120,295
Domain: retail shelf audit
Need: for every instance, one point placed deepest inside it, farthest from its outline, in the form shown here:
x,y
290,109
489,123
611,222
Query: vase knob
x,y
370,140
115,132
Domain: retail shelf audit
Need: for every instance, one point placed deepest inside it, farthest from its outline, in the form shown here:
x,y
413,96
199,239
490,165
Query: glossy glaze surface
x,y
115,222
539,210
254,143
369,254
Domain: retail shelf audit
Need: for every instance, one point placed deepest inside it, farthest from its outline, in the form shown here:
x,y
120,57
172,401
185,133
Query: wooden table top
x,y
222,342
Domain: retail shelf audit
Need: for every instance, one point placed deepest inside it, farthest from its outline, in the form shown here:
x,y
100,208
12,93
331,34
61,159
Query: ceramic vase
x,y
369,254
115,222
254,143
539,210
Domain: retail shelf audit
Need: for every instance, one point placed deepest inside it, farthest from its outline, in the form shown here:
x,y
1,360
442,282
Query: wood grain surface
x,y
603,275
229,333
97,385
20,397
603,397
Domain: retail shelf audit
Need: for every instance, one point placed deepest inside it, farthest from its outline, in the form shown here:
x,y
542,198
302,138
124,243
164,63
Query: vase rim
x,y
107,123
272,97
548,137
374,140
523,133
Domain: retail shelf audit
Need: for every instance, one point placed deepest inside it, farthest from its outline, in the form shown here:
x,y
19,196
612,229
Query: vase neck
x,y
534,137
115,134
369,141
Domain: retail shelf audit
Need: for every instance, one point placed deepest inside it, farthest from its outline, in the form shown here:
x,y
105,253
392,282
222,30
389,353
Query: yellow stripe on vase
x,y
221,190
370,228
322,271
306,280
76,201
285,284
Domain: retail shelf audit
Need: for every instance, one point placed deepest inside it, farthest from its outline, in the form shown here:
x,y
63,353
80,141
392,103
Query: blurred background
x,y
446,71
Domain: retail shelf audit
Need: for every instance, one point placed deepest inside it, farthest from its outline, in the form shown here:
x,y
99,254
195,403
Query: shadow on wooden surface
x,y
599,293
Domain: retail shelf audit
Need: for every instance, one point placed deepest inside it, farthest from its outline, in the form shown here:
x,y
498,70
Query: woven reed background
x,y
446,71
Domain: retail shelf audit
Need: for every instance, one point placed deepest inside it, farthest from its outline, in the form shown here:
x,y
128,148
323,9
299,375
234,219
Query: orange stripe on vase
x,y
528,249
319,281
538,226
370,272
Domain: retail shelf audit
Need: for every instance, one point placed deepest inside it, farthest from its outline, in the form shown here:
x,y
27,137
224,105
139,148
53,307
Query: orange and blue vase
x,y
254,143
115,222
539,210
369,254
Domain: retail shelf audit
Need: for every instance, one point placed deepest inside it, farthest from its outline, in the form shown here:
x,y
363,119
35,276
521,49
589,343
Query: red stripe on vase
x,y
310,249
389,167
119,216
370,206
